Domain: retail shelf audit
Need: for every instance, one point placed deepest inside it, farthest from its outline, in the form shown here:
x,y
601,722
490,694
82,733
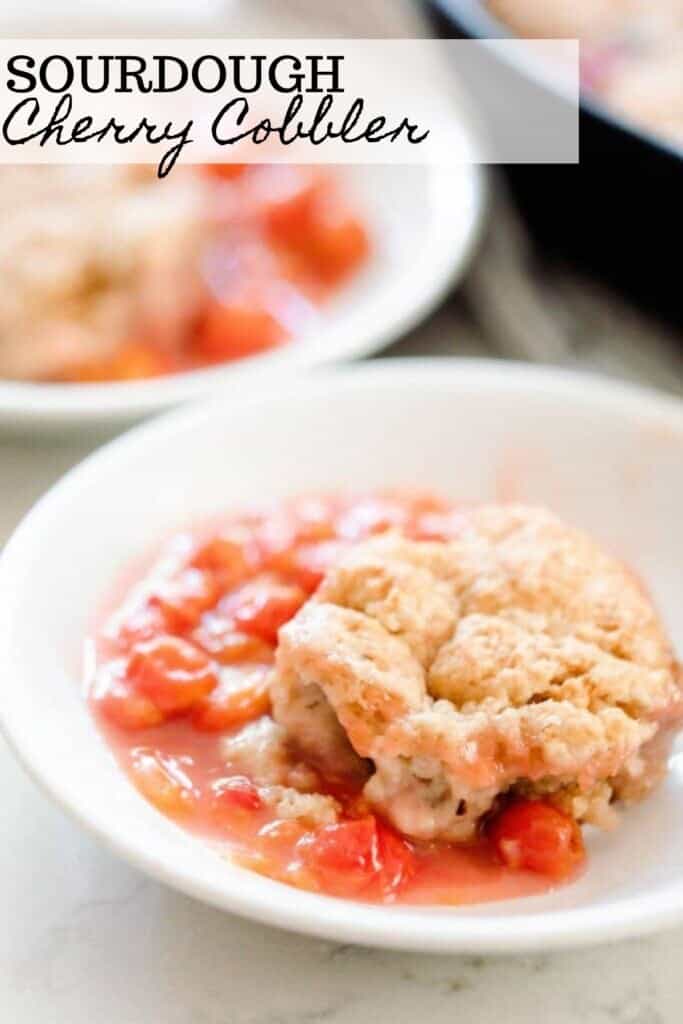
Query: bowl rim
x,y
26,404
480,23
408,928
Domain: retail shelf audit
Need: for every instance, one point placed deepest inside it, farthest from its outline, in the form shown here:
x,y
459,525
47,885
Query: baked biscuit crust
x,y
519,657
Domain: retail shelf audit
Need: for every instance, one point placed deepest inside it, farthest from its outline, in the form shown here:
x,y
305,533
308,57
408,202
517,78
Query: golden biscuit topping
x,y
519,655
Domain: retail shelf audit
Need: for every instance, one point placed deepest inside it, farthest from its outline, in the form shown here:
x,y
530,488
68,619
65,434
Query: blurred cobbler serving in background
x,y
631,51
107,273
390,697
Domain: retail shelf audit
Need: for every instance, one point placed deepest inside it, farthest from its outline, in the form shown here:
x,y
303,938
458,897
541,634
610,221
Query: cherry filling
x,y
281,241
187,663
532,835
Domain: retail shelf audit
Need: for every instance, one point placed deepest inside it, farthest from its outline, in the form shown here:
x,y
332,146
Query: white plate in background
x,y
423,222
605,456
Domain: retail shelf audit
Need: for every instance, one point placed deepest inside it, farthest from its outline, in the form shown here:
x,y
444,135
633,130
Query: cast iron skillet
x,y
614,214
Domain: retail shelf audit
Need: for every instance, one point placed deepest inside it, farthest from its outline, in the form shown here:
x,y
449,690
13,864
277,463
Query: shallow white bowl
x,y
424,223
607,457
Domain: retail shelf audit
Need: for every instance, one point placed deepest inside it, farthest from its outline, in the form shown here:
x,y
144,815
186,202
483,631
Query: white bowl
x,y
608,457
424,222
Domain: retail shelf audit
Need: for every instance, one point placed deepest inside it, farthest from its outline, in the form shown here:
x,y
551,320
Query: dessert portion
x,y
515,658
90,258
631,54
391,697
107,273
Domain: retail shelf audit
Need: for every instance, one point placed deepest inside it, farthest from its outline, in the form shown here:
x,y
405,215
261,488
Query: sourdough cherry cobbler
x,y
109,274
390,697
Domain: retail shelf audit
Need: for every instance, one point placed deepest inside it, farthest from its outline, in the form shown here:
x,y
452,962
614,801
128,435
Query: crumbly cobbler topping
x,y
517,657
93,255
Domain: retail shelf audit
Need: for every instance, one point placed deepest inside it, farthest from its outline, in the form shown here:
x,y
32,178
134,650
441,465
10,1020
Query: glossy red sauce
x,y
183,663
280,241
